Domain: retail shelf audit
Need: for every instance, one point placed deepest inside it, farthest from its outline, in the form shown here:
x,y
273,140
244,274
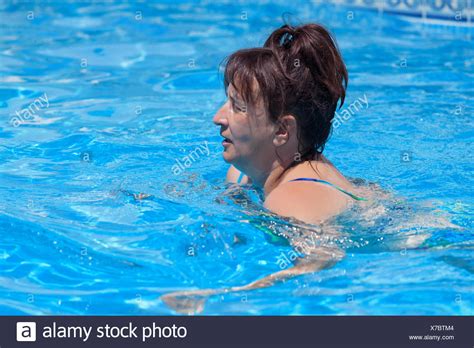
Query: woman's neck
x,y
280,173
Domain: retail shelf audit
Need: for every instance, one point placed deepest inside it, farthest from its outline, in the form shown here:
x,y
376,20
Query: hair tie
x,y
287,36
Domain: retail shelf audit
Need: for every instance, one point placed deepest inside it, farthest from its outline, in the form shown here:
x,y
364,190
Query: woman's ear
x,y
285,129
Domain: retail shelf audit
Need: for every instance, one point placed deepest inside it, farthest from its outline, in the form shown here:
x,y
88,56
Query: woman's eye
x,y
240,109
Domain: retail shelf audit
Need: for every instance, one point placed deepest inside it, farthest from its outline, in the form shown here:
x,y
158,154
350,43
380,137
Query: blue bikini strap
x,y
241,176
357,198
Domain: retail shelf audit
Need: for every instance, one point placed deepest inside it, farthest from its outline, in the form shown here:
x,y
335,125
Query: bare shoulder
x,y
308,202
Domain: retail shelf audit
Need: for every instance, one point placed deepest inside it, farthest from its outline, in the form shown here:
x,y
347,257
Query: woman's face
x,y
247,132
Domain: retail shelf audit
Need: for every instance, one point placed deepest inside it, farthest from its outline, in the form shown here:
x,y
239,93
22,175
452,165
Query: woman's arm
x,y
193,301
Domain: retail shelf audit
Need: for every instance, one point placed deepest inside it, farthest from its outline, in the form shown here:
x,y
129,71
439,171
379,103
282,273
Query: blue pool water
x,y
100,102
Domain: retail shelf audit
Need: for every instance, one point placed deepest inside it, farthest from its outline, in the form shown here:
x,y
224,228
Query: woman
x,y
281,101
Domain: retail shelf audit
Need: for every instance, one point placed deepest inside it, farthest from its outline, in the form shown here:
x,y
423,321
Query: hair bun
x,y
309,52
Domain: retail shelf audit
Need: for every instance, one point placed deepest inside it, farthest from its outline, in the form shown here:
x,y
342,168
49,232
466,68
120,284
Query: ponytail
x,y
312,47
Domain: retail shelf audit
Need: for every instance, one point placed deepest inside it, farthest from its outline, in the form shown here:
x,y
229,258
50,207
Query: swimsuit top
x,y
353,196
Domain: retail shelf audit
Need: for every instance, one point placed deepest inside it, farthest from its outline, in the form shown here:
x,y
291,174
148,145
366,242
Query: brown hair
x,y
300,72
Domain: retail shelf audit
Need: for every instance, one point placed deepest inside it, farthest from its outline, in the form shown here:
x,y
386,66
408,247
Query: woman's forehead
x,y
233,92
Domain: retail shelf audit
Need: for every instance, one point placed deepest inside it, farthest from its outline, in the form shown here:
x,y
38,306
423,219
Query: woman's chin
x,y
228,157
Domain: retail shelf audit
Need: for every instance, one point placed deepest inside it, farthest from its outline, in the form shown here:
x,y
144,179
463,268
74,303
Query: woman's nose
x,y
220,118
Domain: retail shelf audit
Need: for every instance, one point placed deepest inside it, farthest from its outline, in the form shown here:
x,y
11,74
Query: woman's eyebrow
x,y
234,100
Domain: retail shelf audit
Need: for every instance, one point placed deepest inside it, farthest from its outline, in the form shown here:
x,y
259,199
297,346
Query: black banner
x,y
298,331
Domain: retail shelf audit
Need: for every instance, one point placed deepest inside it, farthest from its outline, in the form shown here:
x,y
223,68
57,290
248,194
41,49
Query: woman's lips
x,y
226,140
